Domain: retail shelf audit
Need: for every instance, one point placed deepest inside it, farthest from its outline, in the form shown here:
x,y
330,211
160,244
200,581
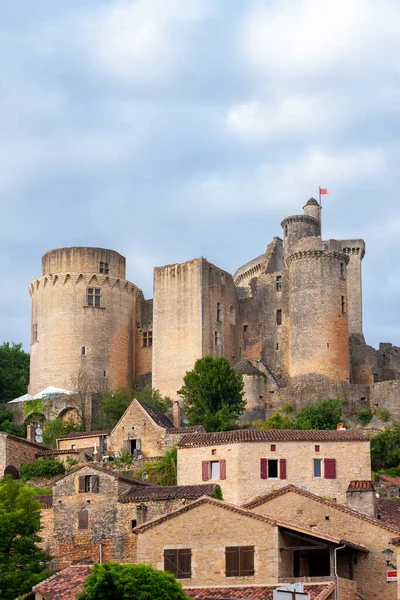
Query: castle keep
x,y
290,320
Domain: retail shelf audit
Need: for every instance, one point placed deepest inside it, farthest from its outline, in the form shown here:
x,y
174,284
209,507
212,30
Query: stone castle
x,y
290,320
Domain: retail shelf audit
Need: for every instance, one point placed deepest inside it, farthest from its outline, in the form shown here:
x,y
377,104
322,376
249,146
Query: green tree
x,y
22,563
14,371
385,448
52,430
46,467
213,394
164,471
326,414
275,421
114,404
113,581
6,424
153,397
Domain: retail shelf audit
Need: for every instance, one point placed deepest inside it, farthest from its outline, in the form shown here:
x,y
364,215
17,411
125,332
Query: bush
x,y
163,472
218,492
383,414
275,421
57,428
385,448
326,414
365,415
47,467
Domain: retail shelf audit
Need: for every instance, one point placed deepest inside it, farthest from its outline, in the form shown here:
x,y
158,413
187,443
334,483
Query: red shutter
x,y
282,468
205,470
222,469
330,468
264,468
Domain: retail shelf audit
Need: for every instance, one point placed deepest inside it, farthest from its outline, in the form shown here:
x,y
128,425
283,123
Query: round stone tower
x,y
83,314
318,321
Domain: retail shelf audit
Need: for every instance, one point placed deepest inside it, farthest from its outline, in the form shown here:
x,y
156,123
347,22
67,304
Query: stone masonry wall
x,y
243,480
370,571
16,451
207,530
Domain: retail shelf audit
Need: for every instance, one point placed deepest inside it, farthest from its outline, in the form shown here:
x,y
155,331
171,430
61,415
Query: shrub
x,y
365,415
47,467
384,415
218,493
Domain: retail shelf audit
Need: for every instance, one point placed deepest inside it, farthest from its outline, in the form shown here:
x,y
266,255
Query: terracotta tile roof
x,y
46,500
388,510
292,488
24,441
320,591
167,492
269,435
189,429
157,415
83,434
388,479
361,485
57,452
65,584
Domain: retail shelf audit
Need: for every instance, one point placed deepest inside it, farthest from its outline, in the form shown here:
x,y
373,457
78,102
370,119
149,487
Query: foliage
x,y
218,493
153,397
89,388
123,459
383,414
275,421
213,394
365,415
70,463
6,424
41,491
288,408
52,430
22,563
326,414
393,472
385,448
164,471
113,581
48,467
14,371
34,406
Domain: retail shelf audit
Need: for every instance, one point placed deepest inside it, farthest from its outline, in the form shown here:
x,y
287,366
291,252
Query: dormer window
x,y
104,268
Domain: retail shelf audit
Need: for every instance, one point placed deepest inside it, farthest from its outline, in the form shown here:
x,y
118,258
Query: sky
x,y
173,129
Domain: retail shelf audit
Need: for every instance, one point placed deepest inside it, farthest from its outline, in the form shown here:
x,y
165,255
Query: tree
x,y
153,397
275,421
385,448
326,414
164,471
113,581
88,390
213,394
113,406
14,371
22,563
52,430
6,424
47,467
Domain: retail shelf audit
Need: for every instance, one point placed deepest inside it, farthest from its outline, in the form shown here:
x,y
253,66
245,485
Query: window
x,y
178,562
330,468
219,312
317,467
83,350
83,519
273,446
239,561
73,446
133,523
216,338
147,339
88,483
278,281
141,514
343,305
286,230
277,346
214,469
317,448
213,452
34,333
104,268
279,316
94,297
376,377
342,270
244,328
269,468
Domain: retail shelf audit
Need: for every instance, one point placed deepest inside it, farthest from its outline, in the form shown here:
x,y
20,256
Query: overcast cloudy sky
x,y
172,129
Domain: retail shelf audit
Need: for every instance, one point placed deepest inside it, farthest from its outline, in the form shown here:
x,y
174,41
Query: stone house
x,y
308,510
143,430
14,451
93,511
212,544
248,463
64,585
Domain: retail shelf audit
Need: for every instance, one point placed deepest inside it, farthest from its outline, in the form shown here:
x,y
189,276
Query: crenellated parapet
x,y
88,279
318,254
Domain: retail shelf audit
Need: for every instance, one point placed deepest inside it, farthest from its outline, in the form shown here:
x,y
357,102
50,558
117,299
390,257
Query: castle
x,y
290,320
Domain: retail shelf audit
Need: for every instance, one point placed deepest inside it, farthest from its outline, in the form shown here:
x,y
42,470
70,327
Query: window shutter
x,y
247,560
205,470
330,468
232,561
222,469
94,483
127,445
81,484
171,561
83,519
264,468
282,468
184,563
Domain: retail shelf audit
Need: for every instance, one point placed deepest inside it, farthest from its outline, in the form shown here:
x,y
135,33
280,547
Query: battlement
x,y
317,254
95,280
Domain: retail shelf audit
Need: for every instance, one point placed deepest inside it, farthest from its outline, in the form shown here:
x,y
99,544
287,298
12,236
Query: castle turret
x,y
83,314
313,209
297,228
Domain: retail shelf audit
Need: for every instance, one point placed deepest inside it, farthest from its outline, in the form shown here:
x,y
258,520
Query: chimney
x,y
31,432
176,414
360,496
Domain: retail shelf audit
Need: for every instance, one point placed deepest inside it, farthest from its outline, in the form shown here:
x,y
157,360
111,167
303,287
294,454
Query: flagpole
x,y
319,192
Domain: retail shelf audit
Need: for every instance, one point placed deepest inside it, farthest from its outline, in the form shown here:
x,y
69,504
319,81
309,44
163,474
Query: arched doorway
x,y
69,414
13,471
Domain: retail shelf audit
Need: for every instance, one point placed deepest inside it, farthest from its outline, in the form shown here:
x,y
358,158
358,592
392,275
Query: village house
x,y
15,451
92,513
309,510
248,463
215,545
143,430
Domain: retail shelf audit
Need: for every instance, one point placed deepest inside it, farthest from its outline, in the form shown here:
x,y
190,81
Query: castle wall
x,y
65,324
355,250
298,227
144,331
177,323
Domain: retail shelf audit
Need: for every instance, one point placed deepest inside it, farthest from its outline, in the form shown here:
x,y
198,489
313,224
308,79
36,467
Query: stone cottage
x,y
248,463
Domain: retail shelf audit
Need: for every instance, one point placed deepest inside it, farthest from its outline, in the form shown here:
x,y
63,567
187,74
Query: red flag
x,y
324,191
